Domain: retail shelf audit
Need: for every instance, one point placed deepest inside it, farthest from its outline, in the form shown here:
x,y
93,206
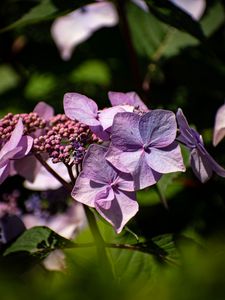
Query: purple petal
x,y
166,160
4,173
186,134
131,98
119,211
99,132
44,110
9,155
143,175
96,168
14,139
125,132
158,128
25,143
107,115
125,182
124,161
28,167
200,165
214,165
85,190
219,127
81,108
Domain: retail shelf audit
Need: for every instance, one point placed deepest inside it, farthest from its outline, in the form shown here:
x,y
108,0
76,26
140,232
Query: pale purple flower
x,y
83,109
145,146
102,187
16,147
219,127
202,163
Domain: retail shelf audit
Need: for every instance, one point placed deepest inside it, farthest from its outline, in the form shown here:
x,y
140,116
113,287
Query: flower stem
x,y
67,185
100,243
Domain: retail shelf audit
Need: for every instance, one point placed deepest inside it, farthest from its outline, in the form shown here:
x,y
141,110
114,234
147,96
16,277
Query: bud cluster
x,y
31,122
64,139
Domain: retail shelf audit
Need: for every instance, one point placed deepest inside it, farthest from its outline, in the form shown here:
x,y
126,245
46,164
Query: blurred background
x,y
169,69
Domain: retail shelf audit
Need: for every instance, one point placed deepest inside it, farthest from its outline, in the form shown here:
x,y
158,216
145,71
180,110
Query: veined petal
x,y
143,175
85,190
123,161
125,132
125,182
166,160
96,168
158,128
200,165
9,155
119,211
81,108
219,127
130,98
186,134
25,143
74,28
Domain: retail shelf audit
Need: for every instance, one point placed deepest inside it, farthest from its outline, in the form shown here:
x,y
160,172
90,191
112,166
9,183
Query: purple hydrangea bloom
x,y
109,191
83,109
201,161
145,146
16,147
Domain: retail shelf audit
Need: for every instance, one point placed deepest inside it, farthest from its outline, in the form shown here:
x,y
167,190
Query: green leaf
x,y
39,13
155,39
39,241
172,15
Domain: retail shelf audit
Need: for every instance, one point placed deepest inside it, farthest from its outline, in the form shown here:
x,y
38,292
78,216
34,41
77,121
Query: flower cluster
x,y
123,148
64,139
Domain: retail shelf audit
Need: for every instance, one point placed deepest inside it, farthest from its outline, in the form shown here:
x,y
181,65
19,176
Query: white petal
x,y
195,8
74,28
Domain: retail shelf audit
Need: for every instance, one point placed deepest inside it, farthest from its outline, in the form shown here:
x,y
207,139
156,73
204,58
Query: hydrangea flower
x,y
145,146
16,147
219,127
102,187
81,108
202,163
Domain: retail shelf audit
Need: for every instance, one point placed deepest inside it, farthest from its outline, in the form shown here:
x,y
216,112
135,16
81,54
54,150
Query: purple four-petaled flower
x,y
201,161
145,146
108,190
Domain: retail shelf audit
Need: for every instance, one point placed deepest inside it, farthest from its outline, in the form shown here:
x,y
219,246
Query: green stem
x,y
100,243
